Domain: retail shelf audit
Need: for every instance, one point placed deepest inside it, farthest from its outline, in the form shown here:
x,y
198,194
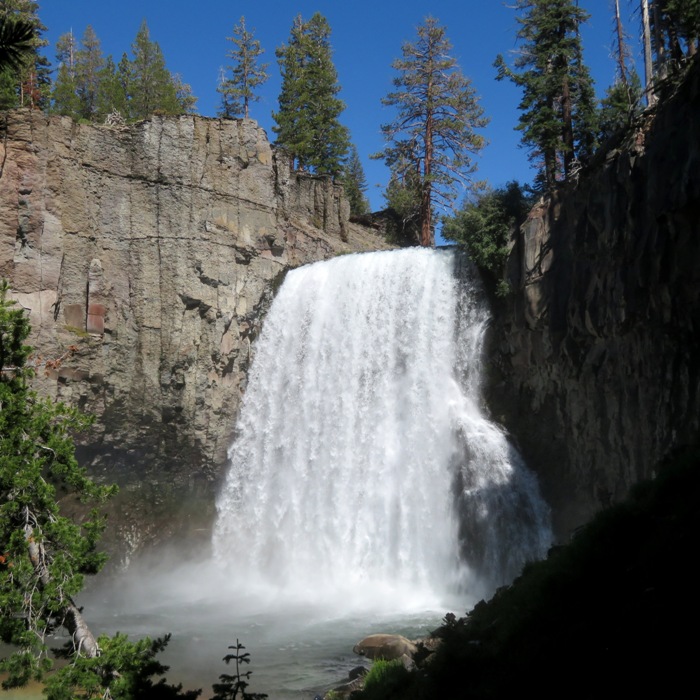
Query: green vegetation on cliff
x,y
486,225
308,120
90,87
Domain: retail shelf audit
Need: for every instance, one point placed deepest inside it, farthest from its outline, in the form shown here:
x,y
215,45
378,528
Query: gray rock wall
x,y
153,251
595,364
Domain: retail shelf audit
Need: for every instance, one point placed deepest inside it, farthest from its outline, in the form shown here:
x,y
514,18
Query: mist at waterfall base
x,y
367,490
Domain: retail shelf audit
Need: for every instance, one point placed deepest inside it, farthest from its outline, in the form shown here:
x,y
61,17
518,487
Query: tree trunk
x,y
567,127
426,227
659,42
84,641
648,65
620,34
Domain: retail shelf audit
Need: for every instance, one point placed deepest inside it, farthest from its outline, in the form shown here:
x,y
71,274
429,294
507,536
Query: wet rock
x,y
385,646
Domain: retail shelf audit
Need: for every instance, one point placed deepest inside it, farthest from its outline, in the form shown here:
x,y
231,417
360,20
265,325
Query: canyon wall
x,y
146,257
595,360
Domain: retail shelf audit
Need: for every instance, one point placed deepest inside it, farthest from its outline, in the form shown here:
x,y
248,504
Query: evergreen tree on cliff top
x,y
152,88
307,123
432,140
77,86
355,183
558,110
247,74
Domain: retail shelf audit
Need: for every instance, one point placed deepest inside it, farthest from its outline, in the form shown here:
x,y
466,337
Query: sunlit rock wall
x,y
153,250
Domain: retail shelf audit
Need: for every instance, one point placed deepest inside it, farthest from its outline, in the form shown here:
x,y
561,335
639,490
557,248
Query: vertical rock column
x,y
96,309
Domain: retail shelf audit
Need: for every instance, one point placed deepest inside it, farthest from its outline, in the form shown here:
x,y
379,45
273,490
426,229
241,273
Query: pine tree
x,y
45,555
433,138
622,99
486,224
355,183
112,90
88,70
671,31
151,87
558,115
307,123
64,96
183,93
238,91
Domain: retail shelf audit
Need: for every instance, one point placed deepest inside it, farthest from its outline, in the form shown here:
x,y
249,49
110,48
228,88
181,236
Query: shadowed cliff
x,y
595,360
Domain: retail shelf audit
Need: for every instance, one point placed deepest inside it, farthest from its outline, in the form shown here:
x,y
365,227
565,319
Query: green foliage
x,y
558,112
233,686
684,17
355,183
619,107
24,83
246,73
486,224
151,87
88,70
675,26
15,41
44,555
307,123
89,86
124,670
383,677
402,197
75,91
431,141
113,88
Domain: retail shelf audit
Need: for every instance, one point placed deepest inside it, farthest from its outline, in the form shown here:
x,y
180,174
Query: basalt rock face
x,y
153,251
595,364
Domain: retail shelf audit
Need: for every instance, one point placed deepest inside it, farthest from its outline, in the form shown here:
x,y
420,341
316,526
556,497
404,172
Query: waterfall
x,y
364,467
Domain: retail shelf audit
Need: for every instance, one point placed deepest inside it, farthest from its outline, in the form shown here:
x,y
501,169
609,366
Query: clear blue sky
x,y
366,37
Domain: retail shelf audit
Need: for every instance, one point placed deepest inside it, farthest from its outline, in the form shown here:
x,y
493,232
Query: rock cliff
x,y
154,250
595,362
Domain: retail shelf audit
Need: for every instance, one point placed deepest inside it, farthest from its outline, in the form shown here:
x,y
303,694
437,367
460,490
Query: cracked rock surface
x,y
155,250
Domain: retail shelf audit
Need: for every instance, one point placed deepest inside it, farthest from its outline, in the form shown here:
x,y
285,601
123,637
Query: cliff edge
x,y
153,251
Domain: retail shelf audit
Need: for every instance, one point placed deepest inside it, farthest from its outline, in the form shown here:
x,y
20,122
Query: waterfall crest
x,y
363,466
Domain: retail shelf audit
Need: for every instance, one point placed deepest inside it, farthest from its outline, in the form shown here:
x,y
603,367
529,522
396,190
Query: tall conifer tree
x,y
355,183
247,74
432,140
558,114
88,68
151,87
307,123
64,95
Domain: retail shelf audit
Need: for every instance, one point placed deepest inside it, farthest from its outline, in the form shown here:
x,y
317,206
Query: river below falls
x,y
297,649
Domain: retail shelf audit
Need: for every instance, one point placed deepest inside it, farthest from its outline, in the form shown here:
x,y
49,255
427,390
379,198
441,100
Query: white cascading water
x,y
364,469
